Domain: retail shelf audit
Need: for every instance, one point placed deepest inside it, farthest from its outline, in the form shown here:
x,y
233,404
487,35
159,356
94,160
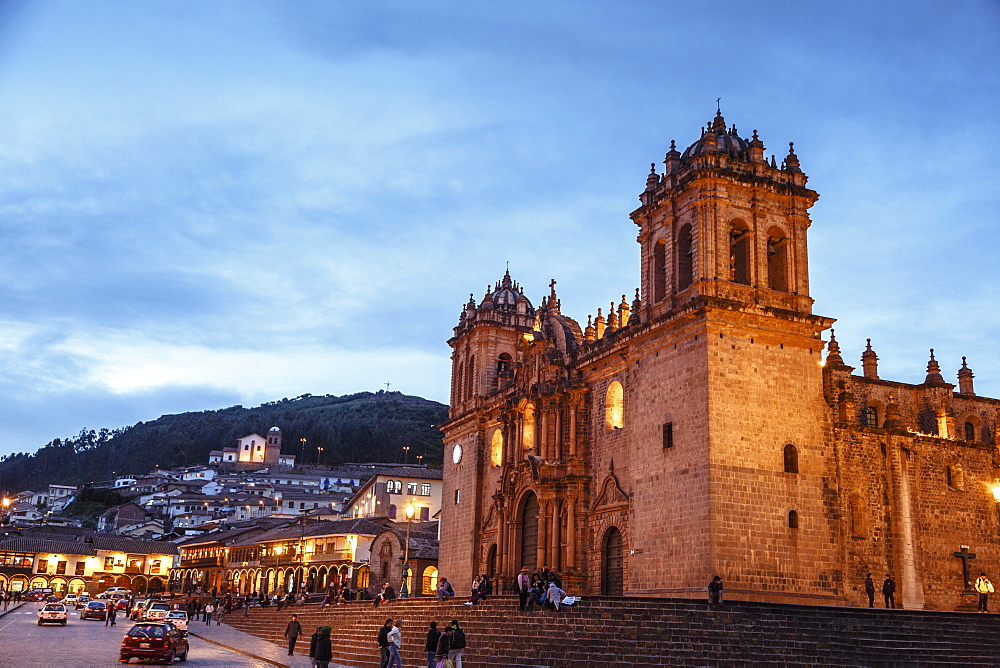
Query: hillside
x,y
360,427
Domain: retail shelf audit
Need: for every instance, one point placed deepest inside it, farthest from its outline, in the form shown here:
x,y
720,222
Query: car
x,y
71,599
38,594
96,610
53,613
137,607
156,641
155,612
178,618
51,598
82,601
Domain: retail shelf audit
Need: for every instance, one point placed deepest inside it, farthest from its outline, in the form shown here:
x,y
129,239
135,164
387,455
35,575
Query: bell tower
x,y
722,221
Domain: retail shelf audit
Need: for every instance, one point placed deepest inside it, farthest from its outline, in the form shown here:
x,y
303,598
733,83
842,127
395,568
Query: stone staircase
x,y
612,631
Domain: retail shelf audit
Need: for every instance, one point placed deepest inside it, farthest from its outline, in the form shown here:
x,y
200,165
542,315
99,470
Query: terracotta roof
x,y
360,526
133,545
36,545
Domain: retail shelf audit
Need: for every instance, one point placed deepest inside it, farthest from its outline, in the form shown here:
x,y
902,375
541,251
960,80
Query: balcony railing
x,y
201,563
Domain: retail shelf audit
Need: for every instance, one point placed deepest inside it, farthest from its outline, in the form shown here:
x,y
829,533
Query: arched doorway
x,y
58,586
429,581
139,585
491,561
529,531
612,563
155,586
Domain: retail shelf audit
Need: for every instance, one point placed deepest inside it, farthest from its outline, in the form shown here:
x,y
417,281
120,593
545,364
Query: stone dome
x,y
717,139
506,295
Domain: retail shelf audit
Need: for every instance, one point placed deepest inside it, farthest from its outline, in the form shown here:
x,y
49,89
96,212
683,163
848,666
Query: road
x,y
88,643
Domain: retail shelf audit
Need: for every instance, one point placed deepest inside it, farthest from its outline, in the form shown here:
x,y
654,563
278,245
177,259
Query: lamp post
x,y
406,454
302,457
319,454
404,590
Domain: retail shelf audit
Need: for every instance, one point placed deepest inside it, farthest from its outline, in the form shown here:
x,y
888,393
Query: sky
x,y
211,204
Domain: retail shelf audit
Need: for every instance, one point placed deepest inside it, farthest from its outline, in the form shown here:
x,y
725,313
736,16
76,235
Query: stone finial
x,y
792,160
833,357
934,377
965,377
869,361
756,149
589,334
624,312
612,318
599,324
636,307
653,179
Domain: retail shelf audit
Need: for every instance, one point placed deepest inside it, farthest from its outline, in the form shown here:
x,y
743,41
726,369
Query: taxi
x,y
52,613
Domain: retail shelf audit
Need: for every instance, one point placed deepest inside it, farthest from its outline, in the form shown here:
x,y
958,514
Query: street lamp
x,y
404,591
319,454
420,459
406,454
302,458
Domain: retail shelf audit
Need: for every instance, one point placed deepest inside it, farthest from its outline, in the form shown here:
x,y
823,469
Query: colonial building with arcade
x,y
696,429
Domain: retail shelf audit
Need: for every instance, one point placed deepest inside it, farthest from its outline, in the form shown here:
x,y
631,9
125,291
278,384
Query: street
x,y
87,643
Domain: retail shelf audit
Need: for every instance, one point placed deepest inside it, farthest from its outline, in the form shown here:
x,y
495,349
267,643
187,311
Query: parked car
x,y
95,610
51,598
157,641
53,613
36,594
124,591
178,618
82,601
137,607
155,612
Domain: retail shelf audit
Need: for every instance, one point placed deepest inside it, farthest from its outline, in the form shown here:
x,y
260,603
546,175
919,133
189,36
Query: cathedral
x,y
697,429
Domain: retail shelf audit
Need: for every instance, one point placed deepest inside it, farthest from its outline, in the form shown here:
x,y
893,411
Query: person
x,y
324,649
313,640
395,638
444,589
715,591
523,585
457,643
534,596
889,591
433,635
555,595
246,606
292,631
546,574
984,587
870,590
109,619
219,611
443,648
383,643
387,594
209,609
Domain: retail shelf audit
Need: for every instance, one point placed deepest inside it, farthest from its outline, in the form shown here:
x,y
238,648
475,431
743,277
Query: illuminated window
x,y
614,406
496,448
425,489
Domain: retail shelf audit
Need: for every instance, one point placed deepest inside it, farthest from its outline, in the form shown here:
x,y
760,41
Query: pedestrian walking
x,y
113,612
209,609
383,644
312,644
443,648
292,631
395,638
889,591
457,643
870,590
985,588
219,611
433,635
715,591
324,648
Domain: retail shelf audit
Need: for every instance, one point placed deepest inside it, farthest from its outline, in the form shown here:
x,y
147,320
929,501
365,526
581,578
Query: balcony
x,y
16,570
136,570
204,562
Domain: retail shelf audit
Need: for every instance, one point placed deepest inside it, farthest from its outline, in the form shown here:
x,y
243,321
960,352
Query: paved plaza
x,y
90,643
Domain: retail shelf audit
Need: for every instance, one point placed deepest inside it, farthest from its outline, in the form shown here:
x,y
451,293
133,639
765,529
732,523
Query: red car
x,y
154,641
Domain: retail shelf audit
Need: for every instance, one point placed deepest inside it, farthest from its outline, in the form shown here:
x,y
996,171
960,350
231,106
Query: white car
x,y
178,618
71,599
155,612
114,590
53,613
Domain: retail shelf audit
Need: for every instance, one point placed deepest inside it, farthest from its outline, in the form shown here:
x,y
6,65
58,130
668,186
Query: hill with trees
x,y
363,427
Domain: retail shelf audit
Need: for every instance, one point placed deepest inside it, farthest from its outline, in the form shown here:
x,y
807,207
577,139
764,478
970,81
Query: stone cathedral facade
x,y
697,429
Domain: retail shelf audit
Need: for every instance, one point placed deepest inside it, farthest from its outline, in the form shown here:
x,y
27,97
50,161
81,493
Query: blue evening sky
x,y
214,203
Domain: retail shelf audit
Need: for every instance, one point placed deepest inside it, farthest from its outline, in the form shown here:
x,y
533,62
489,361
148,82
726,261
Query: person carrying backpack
x,y
457,643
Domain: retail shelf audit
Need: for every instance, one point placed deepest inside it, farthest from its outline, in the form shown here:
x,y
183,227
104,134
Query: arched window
x,y
685,258
857,516
777,261
504,363
528,428
659,270
739,254
614,406
496,448
871,416
793,519
430,581
970,431
791,459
